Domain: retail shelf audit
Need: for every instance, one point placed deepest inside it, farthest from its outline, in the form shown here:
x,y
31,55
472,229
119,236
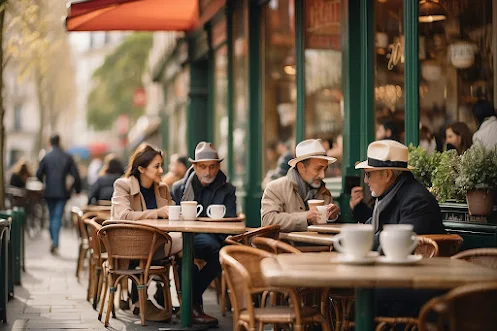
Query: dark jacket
x,y
414,205
362,212
16,180
53,171
102,189
219,192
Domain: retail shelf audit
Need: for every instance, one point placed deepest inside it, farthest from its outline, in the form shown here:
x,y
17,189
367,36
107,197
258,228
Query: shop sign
x,y
322,24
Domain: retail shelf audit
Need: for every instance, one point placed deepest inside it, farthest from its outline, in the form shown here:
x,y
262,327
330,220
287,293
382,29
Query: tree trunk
x,y
2,114
41,108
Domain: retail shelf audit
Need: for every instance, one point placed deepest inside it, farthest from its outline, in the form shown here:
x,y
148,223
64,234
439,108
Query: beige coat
x,y
128,204
281,204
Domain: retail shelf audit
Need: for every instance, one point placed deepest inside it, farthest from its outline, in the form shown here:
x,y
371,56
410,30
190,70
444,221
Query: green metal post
x,y
230,41
300,68
254,191
186,279
411,78
364,309
4,268
351,83
367,74
7,214
16,235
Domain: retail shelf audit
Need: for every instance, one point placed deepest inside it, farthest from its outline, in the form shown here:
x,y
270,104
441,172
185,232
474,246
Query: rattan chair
x,y
466,308
97,258
126,242
427,247
274,246
79,226
448,244
486,257
241,265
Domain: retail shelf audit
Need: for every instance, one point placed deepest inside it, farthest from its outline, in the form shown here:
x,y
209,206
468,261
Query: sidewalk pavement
x,y
51,298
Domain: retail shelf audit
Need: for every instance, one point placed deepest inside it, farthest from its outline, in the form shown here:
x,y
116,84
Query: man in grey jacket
x,y
285,200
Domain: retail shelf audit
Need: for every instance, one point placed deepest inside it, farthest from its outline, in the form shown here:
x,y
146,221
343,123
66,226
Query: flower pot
x,y
480,202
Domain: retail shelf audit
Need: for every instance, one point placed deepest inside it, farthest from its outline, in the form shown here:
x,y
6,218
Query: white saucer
x,y
368,259
411,259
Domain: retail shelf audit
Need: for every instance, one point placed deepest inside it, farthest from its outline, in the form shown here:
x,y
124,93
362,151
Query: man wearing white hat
x,y
205,183
400,198
285,200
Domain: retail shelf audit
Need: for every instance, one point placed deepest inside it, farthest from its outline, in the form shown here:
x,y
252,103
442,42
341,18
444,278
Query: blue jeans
x,y
55,213
207,248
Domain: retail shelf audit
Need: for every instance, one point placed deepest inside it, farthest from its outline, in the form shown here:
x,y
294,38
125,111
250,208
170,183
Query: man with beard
x,y
285,200
205,183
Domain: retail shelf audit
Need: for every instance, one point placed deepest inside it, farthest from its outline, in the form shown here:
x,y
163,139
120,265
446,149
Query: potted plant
x,y
444,178
424,164
477,177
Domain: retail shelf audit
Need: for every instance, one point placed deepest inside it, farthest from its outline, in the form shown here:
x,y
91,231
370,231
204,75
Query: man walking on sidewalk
x,y
53,171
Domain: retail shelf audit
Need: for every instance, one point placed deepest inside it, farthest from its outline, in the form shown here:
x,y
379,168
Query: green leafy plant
x,y
444,178
477,169
423,163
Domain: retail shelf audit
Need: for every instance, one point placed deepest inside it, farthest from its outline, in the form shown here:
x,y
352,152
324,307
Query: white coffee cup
x,y
398,241
354,240
174,213
190,210
322,211
216,211
314,203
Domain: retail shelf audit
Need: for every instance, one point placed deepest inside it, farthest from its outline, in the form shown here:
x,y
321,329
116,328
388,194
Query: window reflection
x,y
220,105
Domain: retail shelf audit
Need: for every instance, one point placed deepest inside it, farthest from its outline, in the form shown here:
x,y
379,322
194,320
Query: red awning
x,y
132,15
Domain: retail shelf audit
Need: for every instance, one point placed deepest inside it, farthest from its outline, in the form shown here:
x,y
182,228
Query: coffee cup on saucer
x,y
174,213
355,241
398,241
216,211
322,211
314,203
190,210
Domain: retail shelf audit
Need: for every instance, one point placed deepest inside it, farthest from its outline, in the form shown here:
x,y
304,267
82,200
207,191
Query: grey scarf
x,y
189,194
380,205
305,191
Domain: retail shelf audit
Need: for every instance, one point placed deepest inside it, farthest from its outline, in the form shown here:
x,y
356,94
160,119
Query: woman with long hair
x,y
459,135
20,173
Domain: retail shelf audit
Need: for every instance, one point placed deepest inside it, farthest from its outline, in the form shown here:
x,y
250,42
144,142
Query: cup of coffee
x,y
398,241
216,211
314,203
190,210
354,240
174,213
322,211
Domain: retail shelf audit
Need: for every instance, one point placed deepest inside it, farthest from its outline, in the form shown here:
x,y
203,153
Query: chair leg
x,y
78,264
97,287
176,281
89,290
110,306
223,294
142,291
105,288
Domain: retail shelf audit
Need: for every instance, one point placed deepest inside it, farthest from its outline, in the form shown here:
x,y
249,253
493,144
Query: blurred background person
x,y
387,129
271,154
427,140
284,149
103,188
20,173
459,136
93,171
178,165
485,116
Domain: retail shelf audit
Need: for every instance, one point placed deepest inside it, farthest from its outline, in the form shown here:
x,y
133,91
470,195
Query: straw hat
x,y
386,154
310,149
205,152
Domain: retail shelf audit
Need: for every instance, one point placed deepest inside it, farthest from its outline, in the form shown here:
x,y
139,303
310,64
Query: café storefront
x,y
258,72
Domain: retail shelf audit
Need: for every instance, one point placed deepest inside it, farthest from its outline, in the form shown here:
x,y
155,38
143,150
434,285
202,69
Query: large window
x,y
278,72
323,77
221,104
241,98
176,108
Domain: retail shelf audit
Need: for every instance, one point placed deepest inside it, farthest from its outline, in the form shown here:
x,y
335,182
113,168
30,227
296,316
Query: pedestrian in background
x,y
59,173
103,188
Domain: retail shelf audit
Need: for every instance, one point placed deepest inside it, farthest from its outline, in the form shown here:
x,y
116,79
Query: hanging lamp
x,y
431,11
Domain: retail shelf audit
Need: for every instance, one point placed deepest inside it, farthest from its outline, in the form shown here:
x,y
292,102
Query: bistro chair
x,y
448,244
126,242
242,268
427,247
486,257
274,246
466,308
97,258
79,225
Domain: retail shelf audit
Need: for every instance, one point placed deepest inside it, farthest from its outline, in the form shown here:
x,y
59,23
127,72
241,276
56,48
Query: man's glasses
x,y
367,174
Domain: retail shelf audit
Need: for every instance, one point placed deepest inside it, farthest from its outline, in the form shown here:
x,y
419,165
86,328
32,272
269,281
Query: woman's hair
x,y
141,157
21,168
112,165
483,109
463,131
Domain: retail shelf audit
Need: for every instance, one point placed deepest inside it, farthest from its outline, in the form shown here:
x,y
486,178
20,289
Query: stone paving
x,y
51,298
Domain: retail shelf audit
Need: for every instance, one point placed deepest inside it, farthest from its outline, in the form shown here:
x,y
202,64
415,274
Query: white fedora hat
x,y
386,154
205,152
310,149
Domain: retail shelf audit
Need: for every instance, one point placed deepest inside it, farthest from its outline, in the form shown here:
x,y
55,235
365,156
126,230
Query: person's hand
x,y
356,196
332,211
313,217
163,212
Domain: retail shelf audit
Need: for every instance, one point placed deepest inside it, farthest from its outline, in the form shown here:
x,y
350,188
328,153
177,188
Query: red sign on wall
x,y
139,97
322,24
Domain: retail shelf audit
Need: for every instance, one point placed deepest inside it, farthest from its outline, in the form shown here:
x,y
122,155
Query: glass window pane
x,y
221,104
279,89
323,77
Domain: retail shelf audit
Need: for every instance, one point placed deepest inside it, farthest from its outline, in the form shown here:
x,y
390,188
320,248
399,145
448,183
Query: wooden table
x,y
322,270
189,228
327,228
308,238
96,209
